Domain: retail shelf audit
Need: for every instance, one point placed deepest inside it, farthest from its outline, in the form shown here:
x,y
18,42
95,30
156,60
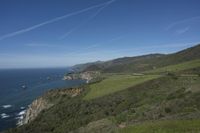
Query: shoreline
x,y
42,103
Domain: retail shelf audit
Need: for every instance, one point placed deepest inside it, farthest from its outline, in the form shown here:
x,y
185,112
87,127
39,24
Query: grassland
x,y
121,101
170,126
116,83
161,98
177,67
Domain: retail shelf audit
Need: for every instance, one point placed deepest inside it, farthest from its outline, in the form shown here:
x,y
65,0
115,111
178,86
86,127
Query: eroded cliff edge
x,y
89,76
45,102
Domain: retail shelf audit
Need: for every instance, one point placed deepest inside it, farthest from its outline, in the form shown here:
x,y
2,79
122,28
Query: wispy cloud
x,y
89,19
177,23
142,50
182,31
52,21
173,45
182,26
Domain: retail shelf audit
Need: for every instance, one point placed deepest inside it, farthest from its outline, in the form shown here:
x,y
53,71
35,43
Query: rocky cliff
x,y
34,109
88,76
43,103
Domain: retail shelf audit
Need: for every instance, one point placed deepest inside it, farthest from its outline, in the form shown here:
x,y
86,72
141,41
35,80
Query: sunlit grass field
x,y
177,67
116,83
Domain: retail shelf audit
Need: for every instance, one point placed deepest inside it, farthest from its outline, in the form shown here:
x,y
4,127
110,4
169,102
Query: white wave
x,y
22,107
22,112
4,115
6,106
19,117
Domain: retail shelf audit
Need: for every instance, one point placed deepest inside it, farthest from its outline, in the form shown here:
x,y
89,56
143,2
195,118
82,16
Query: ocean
x,y
19,87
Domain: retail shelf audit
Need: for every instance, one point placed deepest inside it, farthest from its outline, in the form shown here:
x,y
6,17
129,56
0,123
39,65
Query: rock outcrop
x,y
43,103
34,109
88,76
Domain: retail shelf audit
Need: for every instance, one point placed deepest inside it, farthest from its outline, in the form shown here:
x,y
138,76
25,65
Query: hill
x,y
164,99
144,63
161,98
83,67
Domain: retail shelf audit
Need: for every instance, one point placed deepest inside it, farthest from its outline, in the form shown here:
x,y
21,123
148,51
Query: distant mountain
x,y
83,67
142,63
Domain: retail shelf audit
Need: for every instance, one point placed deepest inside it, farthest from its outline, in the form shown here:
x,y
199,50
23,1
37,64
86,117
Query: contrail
x,y
197,18
52,21
89,19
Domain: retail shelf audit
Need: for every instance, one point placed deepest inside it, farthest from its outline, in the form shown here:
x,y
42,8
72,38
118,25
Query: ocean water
x,y
19,87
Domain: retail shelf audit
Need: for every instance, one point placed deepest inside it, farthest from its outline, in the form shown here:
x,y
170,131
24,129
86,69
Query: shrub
x,y
173,75
168,110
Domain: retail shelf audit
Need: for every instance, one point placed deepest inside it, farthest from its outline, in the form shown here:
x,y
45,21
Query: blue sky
x,y
55,33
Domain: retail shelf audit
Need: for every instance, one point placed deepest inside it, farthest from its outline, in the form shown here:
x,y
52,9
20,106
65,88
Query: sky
x,y
58,33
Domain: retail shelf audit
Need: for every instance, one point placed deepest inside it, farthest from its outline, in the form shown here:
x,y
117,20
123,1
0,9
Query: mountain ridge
x,y
142,63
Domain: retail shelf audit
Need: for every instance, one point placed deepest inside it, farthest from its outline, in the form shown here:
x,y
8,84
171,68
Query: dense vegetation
x,y
126,103
175,126
163,98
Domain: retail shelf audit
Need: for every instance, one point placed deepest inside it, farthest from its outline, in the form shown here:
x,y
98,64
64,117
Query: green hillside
x,y
116,83
128,102
174,126
163,98
177,67
146,62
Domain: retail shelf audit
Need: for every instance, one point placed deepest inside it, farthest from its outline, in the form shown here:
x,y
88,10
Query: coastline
x,y
43,103
33,110
14,100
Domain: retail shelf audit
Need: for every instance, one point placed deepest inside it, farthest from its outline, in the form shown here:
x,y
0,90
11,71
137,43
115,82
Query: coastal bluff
x,y
45,102
89,76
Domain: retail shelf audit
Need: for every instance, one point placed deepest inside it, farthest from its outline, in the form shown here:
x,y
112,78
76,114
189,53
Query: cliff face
x,y
34,109
88,76
43,103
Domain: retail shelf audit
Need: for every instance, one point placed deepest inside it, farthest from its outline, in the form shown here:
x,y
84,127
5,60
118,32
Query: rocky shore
x,y
88,76
42,103
34,109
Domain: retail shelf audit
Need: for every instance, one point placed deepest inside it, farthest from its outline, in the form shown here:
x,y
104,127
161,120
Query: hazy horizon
x,y
57,67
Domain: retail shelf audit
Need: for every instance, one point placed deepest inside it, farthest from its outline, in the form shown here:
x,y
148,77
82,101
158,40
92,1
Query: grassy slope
x,y
166,98
162,98
174,126
119,82
116,83
177,67
147,62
